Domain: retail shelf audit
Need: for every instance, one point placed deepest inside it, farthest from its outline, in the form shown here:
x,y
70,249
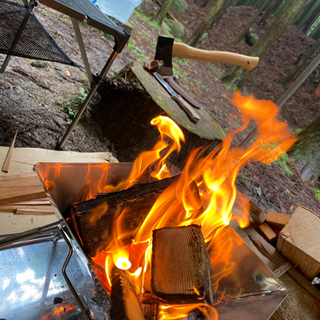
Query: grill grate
x,y
21,34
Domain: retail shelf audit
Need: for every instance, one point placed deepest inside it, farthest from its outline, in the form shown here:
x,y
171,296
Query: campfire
x,y
157,235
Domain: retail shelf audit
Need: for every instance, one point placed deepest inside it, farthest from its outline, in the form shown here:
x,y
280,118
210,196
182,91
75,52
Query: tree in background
x,y
268,12
213,16
238,76
306,152
302,59
161,14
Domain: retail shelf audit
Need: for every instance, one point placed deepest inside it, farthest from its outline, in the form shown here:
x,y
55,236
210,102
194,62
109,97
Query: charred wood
x,y
125,304
95,233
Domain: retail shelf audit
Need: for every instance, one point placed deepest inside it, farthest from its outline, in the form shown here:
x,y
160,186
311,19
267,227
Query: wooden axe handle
x,y
181,50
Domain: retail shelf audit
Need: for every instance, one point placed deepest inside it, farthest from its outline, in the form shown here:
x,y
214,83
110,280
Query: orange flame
x,y
204,194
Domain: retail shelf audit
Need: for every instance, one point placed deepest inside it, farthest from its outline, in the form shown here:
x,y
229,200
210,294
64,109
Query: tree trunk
x,y
217,10
302,59
268,12
307,16
158,18
239,75
306,152
249,24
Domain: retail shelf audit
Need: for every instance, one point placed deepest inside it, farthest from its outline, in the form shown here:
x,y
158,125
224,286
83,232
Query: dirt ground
x,y
32,93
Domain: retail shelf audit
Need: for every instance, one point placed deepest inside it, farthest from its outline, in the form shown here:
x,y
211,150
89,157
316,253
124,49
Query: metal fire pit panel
x,y
32,285
250,291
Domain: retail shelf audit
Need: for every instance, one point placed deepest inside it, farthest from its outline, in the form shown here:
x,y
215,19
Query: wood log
x,y
299,241
257,213
138,200
20,188
131,100
181,269
277,220
125,304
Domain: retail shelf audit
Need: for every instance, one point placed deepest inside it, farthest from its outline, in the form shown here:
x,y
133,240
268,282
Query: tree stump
x,y
130,100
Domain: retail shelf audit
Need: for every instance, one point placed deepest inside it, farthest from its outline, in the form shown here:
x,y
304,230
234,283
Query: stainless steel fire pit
x,y
47,263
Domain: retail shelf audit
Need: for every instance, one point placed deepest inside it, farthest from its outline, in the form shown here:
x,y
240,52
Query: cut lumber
x,y
95,232
34,211
125,304
268,233
277,220
20,188
257,213
14,207
6,164
181,270
299,241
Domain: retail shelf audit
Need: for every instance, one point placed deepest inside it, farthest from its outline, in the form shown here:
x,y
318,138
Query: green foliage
x,y
178,71
132,47
291,102
316,193
283,162
73,106
202,39
243,174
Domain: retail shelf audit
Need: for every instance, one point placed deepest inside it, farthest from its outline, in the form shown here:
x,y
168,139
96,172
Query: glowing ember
x,y
203,195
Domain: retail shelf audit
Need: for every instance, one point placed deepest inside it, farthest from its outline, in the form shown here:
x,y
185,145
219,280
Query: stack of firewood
x,y
23,194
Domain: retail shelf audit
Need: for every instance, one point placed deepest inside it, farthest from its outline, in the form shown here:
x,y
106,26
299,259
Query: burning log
x,y
137,201
125,304
181,269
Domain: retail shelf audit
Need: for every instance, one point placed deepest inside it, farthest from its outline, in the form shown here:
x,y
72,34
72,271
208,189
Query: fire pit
x,y
127,224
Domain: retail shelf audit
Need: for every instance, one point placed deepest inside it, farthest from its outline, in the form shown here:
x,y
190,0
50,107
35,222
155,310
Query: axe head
x,y
164,53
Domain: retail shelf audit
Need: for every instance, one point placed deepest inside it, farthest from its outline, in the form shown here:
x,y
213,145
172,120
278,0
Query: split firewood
x,y
257,213
20,188
125,304
181,270
95,217
34,211
268,233
277,220
6,164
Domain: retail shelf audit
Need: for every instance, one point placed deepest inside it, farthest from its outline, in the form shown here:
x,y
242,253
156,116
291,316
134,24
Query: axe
x,y
167,48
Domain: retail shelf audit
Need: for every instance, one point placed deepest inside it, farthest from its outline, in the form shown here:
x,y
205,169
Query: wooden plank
x,y
267,232
299,241
277,220
181,268
24,159
15,189
6,164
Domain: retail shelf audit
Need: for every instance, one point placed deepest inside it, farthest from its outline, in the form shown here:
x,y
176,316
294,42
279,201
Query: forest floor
x,y
33,93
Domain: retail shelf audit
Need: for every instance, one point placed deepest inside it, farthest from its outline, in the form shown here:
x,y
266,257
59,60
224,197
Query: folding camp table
x,y
77,10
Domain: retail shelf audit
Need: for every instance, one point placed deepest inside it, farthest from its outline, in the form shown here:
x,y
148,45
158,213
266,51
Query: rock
x,y
38,64
176,28
179,6
251,38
